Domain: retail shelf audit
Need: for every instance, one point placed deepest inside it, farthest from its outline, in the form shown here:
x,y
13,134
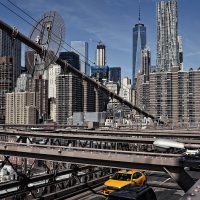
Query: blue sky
x,y
111,21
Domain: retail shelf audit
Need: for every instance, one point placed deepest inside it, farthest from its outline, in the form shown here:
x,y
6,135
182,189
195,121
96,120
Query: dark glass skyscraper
x,y
139,43
71,57
81,48
115,74
11,47
10,67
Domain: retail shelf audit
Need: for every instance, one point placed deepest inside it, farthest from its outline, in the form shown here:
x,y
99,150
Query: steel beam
x,y
98,157
23,191
69,192
193,193
180,176
103,133
128,139
11,184
134,133
85,149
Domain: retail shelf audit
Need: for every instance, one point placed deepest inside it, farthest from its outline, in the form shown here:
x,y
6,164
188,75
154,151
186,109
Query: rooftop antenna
x,y
139,13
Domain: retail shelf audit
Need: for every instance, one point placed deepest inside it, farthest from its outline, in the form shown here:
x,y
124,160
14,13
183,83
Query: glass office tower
x,y
81,48
139,43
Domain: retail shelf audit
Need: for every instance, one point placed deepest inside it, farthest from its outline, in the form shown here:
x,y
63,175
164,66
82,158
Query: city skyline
x,y
111,22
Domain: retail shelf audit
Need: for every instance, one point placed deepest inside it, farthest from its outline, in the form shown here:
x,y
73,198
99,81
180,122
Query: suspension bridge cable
x,y
52,32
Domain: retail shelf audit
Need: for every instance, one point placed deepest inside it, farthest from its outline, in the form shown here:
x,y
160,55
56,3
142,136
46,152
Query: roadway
x,y
161,193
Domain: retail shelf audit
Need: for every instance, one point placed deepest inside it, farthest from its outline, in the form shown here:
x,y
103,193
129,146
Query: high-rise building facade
x,y
139,43
6,83
40,87
115,74
180,51
125,90
23,82
11,47
173,97
142,93
88,97
101,55
51,73
146,63
20,108
167,35
69,97
30,61
81,48
71,57
100,73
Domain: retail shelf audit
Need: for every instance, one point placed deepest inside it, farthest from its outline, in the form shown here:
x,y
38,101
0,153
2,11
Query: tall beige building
x,y
40,87
142,93
101,55
173,96
20,108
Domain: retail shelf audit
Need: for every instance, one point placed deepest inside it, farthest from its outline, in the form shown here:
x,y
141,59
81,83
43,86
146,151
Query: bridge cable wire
x,y
26,13
52,32
29,23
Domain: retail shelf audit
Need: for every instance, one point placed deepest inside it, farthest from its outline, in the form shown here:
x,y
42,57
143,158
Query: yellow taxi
x,y
123,178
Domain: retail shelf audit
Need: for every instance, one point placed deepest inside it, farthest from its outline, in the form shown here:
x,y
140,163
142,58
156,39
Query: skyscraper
x,y
23,82
115,74
40,87
139,43
180,51
52,72
11,47
21,108
167,36
69,96
81,48
6,82
71,57
101,55
146,62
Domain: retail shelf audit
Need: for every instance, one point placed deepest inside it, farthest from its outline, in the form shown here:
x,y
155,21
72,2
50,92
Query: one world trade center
x,y
139,43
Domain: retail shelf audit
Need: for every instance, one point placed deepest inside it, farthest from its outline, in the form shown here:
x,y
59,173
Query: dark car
x,y
133,192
